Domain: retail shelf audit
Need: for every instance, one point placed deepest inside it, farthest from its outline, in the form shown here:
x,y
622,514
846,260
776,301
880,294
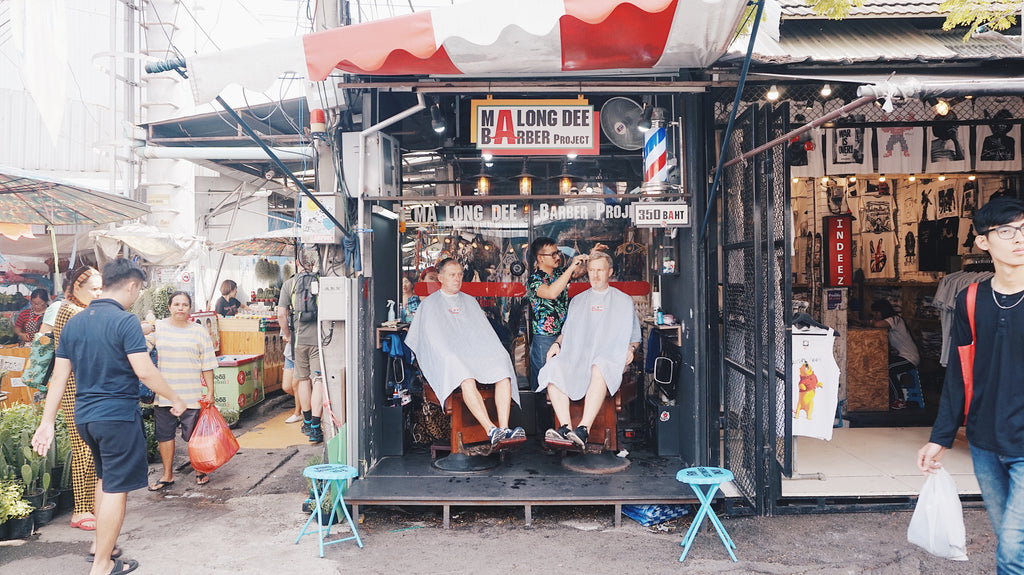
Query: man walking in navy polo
x,y
105,348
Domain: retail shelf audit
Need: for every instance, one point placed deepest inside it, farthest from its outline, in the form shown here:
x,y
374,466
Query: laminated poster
x,y
998,146
814,382
849,151
876,255
947,149
900,150
804,155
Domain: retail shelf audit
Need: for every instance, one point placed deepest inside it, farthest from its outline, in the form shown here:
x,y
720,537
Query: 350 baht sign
x,y
535,126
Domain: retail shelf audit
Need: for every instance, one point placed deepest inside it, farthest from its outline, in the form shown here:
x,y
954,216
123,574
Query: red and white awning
x,y
492,38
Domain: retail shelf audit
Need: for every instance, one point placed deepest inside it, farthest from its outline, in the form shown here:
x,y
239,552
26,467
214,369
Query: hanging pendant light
x,y
525,180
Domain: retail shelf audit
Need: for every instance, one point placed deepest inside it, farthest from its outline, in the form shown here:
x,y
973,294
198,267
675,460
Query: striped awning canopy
x,y
492,38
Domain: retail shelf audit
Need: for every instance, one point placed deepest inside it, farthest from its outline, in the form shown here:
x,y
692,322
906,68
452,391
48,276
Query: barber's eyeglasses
x,y
1007,232
551,255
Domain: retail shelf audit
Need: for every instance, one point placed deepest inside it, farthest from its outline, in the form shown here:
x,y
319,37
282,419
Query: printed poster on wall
x,y
998,144
876,255
947,149
804,155
848,150
815,383
900,150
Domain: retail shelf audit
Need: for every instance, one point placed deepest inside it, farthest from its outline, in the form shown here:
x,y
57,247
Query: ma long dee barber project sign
x,y
839,249
535,127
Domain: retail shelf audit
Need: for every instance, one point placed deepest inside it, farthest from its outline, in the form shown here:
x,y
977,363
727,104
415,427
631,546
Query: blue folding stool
x,y
712,477
329,478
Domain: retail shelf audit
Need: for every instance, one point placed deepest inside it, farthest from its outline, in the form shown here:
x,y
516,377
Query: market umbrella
x,y
273,243
33,198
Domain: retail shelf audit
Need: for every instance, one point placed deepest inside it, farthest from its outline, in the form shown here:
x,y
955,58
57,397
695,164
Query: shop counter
x,y
238,381
255,336
12,360
867,369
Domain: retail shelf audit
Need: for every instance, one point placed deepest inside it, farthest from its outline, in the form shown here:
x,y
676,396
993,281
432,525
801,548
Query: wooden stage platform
x,y
526,478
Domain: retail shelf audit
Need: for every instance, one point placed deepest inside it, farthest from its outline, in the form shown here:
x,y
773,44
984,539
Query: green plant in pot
x,y
30,479
45,511
21,520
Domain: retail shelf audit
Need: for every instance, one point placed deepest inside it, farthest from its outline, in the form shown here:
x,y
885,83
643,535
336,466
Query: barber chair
x,y
602,441
471,448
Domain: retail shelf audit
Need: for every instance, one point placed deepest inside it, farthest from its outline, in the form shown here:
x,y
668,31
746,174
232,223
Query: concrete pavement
x,y
246,520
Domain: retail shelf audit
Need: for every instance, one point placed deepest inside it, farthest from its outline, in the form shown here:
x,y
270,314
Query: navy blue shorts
x,y
118,452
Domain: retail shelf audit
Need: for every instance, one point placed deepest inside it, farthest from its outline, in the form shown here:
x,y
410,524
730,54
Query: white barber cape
x,y
595,333
453,342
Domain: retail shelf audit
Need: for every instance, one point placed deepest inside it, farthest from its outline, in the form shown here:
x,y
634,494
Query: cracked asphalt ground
x,y
246,520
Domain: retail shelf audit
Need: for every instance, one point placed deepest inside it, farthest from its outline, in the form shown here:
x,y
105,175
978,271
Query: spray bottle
x,y
391,310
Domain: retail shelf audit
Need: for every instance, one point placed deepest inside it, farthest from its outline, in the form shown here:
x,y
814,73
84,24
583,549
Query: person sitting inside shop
x,y
456,348
228,305
587,360
903,353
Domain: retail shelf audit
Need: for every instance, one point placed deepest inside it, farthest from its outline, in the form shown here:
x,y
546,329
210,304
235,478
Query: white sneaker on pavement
x,y
293,418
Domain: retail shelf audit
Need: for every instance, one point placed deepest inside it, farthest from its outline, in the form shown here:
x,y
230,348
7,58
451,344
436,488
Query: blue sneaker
x,y
497,434
316,435
517,433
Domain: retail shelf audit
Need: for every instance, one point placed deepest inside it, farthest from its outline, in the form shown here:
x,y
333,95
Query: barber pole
x,y
655,159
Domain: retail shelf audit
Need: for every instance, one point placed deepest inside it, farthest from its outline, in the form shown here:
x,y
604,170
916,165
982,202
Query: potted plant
x,y
21,520
44,513
30,479
67,494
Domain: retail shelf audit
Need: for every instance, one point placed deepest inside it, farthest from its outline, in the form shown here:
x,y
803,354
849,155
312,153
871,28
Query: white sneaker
x,y
293,418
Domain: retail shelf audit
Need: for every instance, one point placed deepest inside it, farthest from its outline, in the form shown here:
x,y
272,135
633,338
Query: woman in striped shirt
x,y
186,360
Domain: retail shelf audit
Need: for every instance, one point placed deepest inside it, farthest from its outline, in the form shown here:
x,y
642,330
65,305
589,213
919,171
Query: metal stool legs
x,y
706,511
326,481
713,477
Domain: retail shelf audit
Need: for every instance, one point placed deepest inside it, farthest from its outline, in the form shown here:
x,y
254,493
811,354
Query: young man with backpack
x,y
993,401
297,314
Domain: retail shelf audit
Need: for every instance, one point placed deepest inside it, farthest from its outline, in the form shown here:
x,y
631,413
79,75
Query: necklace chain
x,y
1001,306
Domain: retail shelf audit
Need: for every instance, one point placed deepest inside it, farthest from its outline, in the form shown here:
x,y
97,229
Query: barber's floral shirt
x,y
548,314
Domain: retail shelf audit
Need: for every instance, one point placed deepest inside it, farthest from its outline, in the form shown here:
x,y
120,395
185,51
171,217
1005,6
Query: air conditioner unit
x,y
383,165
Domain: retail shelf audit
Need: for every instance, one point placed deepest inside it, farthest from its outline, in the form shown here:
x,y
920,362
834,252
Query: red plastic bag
x,y
212,444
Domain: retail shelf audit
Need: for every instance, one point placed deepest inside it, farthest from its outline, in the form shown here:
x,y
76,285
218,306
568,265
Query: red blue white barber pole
x,y
655,159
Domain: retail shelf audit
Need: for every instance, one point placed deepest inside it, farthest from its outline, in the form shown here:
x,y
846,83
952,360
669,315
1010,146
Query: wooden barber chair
x,y
470,445
603,434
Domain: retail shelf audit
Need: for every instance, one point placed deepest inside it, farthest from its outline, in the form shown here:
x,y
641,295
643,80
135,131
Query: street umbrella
x,y
273,243
32,198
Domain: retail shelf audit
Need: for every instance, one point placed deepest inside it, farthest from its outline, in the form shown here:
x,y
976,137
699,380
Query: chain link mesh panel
x,y
755,271
806,104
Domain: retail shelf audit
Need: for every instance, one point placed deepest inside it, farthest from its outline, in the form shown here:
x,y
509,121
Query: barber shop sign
x,y
839,249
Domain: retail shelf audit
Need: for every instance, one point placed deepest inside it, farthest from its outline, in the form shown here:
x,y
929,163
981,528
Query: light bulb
x,y
826,90
881,178
824,179
911,178
971,177
942,178
796,180
852,179
942,107
773,93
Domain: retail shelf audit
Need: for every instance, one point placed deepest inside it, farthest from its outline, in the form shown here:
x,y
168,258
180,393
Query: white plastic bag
x,y
938,522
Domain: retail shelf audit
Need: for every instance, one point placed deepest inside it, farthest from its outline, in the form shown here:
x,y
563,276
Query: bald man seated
x,y
456,349
598,340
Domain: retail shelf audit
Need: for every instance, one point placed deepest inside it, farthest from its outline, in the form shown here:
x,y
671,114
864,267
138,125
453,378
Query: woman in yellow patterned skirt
x,y
85,286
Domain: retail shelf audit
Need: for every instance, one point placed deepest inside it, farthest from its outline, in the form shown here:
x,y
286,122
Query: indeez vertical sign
x,y
839,247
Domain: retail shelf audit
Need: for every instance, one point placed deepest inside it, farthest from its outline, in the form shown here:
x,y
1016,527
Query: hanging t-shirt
x,y
900,150
814,382
929,258
848,151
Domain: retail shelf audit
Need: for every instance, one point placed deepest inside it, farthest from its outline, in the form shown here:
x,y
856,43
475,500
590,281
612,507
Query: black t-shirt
x,y
995,421
228,307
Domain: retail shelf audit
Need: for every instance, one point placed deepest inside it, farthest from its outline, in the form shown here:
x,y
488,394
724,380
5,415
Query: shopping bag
x,y
212,444
40,362
938,522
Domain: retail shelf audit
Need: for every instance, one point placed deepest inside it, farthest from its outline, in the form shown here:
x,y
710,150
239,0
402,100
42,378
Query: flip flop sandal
x,y
113,555
161,485
86,524
202,479
124,566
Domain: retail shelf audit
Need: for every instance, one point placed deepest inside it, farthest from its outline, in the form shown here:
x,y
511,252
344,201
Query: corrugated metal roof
x,y
798,9
862,41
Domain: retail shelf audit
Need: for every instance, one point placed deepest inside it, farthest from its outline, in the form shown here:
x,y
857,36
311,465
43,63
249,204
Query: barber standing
x,y
549,301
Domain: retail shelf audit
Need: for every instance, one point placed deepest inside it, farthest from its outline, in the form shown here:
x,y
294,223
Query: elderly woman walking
x,y
186,360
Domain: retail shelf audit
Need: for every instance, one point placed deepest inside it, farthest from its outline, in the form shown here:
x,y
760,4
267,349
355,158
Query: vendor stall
x,y
255,336
238,382
12,363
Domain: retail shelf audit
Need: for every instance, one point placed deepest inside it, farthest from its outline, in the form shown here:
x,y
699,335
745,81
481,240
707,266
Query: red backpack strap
x,y
967,367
